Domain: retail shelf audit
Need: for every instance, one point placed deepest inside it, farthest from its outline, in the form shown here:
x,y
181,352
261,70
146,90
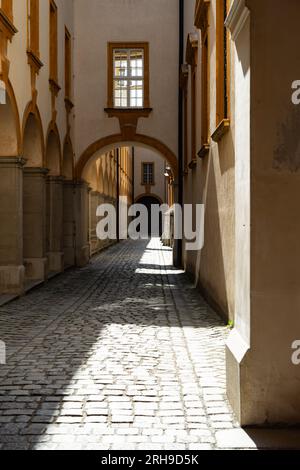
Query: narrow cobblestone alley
x,y
122,354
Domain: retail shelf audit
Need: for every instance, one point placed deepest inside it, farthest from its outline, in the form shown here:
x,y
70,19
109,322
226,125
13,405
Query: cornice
x,y
8,25
237,17
200,13
192,48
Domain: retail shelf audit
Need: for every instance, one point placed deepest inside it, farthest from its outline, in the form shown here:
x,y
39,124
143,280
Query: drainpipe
x,y
178,243
118,195
133,174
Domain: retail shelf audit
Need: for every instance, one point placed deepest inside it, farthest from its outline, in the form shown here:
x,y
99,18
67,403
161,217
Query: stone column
x,y
11,226
82,250
34,224
69,223
94,202
55,251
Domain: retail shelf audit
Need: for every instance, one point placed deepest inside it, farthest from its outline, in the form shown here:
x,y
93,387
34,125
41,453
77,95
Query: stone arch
x,y
10,130
68,160
144,195
53,152
117,140
33,138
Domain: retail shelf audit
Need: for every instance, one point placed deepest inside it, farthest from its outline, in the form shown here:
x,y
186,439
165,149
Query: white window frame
x,y
129,77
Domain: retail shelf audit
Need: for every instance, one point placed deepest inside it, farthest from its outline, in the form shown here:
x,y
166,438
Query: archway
x,y
53,153
68,160
117,140
10,133
34,199
11,210
55,242
150,200
68,204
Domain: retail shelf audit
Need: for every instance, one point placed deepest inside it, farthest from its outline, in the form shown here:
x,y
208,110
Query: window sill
x,y
203,152
221,130
116,112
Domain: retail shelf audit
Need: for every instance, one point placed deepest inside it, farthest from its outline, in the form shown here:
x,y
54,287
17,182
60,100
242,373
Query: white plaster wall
x,y
98,22
147,156
20,70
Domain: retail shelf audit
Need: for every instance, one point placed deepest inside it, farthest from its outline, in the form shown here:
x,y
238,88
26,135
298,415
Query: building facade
x,y
186,102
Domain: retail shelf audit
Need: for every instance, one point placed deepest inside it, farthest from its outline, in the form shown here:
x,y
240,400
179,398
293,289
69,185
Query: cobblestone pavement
x,y
123,354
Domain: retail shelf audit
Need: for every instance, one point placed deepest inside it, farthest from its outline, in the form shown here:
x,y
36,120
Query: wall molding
x,y
237,17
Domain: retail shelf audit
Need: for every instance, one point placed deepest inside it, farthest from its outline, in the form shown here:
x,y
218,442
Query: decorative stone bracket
x,y
54,89
35,65
7,31
128,119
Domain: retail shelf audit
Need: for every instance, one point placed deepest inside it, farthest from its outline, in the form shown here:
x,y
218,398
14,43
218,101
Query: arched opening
x,y
11,210
54,213
53,154
149,201
68,205
105,144
10,127
33,147
34,201
68,160
118,177
101,175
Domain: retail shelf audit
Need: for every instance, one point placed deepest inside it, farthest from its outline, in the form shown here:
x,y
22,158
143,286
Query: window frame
x,y
205,87
222,63
68,65
33,27
53,41
6,6
112,46
143,183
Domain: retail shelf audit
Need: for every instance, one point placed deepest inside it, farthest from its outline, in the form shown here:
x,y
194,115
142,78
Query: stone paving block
x,y
109,358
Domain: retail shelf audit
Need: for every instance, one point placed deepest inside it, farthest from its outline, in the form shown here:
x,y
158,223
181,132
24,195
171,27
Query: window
x,y
202,13
53,41
222,72
128,81
147,173
192,60
33,27
205,90
68,64
6,7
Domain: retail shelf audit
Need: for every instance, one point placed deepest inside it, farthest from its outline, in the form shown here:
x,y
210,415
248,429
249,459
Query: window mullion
x,y
129,79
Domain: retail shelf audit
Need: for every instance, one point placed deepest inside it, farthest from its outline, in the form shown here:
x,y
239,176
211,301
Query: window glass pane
x,y
148,173
136,63
136,93
120,63
120,93
128,86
